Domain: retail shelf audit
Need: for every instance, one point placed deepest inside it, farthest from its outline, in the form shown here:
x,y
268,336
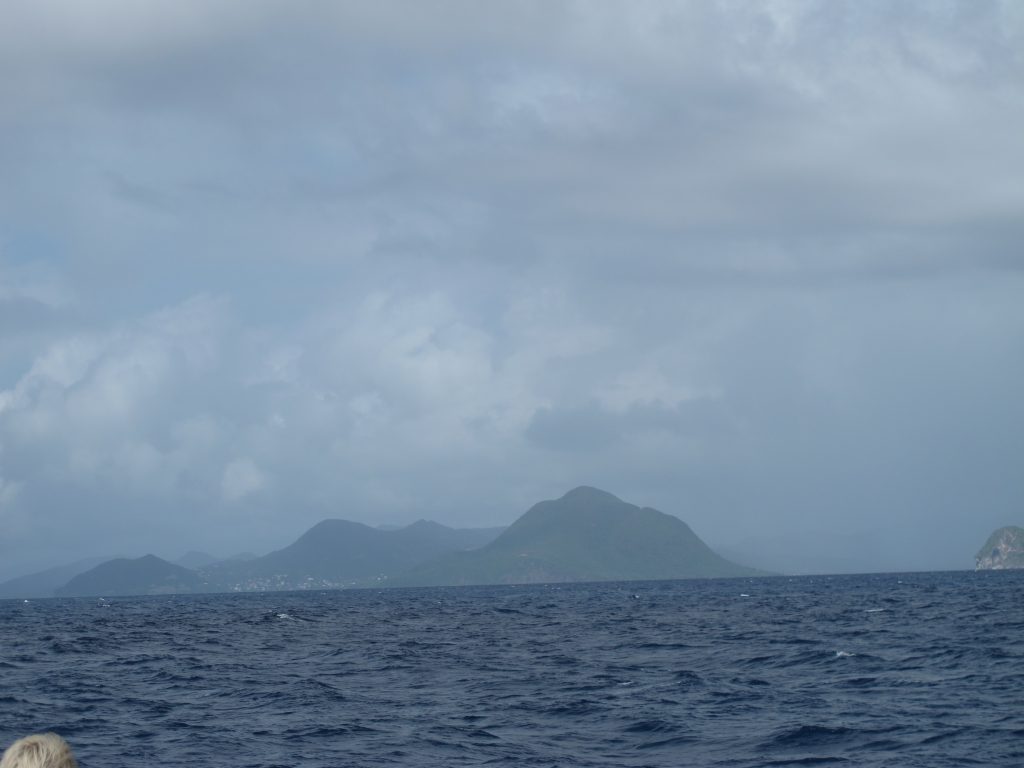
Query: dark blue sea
x,y
877,670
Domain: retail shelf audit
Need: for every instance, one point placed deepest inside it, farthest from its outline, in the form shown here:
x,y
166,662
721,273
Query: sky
x,y
757,265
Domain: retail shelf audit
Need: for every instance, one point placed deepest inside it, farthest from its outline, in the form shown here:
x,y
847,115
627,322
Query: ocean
x,y
912,669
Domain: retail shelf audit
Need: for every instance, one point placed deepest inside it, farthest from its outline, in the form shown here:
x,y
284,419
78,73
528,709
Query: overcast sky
x,y
758,265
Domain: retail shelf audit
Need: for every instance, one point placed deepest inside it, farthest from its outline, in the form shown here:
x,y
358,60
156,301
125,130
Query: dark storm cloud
x,y
754,265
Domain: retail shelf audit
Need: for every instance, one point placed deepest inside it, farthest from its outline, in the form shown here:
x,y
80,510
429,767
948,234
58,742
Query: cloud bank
x,y
754,265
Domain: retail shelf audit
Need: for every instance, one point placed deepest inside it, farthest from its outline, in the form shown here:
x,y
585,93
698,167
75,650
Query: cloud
x,y
583,428
689,133
755,264
241,478
8,492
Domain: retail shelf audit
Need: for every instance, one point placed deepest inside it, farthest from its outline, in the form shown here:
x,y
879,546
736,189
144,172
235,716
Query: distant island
x,y
586,535
1004,549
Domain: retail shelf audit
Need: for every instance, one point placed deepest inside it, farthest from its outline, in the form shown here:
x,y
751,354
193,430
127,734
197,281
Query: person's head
x,y
40,750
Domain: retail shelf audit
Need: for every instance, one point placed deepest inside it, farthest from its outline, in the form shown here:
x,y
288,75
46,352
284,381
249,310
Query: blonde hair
x,y
40,750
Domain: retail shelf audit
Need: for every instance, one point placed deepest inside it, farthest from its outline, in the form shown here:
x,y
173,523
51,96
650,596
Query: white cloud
x,y
8,492
241,478
100,411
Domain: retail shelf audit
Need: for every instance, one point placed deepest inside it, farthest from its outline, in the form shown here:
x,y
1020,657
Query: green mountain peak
x,y
586,535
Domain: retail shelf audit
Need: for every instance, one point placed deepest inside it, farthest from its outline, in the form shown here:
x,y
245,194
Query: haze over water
x,y
881,670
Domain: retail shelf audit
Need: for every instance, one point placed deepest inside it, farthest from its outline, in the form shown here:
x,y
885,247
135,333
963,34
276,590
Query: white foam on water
x,y
874,610
744,594
844,654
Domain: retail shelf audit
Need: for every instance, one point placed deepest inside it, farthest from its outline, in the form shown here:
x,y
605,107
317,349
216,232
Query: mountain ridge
x,y
146,575
586,535
43,583
338,553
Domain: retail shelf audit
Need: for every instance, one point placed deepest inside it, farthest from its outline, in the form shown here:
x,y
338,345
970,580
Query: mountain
x,y
444,538
241,557
587,535
148,575
43,583
1004,549
342,553
194,560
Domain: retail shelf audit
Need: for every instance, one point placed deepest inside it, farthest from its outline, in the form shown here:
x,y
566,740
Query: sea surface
x,y
923,669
